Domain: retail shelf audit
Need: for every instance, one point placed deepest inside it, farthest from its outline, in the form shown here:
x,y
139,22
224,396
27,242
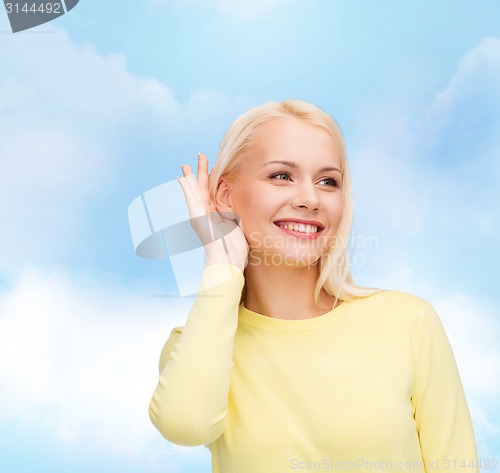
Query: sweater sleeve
x,y
442,417
189,404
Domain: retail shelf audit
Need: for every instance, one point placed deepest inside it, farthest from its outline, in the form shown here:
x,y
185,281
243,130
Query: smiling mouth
x,y
300,227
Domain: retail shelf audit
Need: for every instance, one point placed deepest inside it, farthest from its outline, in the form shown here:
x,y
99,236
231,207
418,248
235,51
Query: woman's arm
x,y
189,405
441,413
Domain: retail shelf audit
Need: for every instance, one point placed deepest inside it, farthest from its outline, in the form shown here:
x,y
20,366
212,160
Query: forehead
x,y
293,139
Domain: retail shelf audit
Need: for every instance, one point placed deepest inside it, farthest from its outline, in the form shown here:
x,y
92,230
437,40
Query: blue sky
x,y
109,100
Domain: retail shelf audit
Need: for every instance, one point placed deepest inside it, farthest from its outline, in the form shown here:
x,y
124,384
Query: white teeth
x,y
300,227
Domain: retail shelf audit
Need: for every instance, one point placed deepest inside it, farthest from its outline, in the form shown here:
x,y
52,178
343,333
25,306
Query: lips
x,y
308,228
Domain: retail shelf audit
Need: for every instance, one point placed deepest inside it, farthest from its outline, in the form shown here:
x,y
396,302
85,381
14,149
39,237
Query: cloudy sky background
x,y
109,100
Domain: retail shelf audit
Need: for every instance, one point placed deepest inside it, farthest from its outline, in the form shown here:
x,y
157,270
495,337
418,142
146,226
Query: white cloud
x,y
80,360
471,324
64,109
475,85
72,121
428,180
473,328
466,115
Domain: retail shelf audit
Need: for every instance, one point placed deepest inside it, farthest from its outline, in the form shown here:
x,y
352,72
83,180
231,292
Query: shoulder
x,y
392,297
394,304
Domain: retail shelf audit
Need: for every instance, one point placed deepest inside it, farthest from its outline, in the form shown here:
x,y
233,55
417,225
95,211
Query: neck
x,y
284,292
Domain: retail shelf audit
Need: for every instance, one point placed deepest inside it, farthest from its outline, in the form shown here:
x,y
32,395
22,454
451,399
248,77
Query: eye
x,y
331,182
274,176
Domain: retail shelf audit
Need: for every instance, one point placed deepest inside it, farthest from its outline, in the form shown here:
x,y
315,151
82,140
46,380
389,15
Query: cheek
x,y
340,211
336,212
256,217
257,208
251,221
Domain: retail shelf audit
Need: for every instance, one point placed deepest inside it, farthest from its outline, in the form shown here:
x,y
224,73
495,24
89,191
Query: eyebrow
x,y
295,166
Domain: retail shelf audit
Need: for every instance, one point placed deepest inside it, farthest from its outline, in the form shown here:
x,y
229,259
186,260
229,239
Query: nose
x,y
306,196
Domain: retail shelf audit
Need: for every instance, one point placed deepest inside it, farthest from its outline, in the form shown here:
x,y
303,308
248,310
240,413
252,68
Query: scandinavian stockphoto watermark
x,y
363,465
28,14
161,227
162,231
277,250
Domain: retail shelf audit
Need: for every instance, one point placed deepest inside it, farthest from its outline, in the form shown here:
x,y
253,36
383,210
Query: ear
x,y
223,197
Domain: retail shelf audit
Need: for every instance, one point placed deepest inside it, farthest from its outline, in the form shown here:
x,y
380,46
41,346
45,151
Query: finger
x,y
203,176
194,199
190,179
202,167
186,169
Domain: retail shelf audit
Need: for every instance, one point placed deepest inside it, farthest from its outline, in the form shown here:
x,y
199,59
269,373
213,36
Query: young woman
x,y
284,363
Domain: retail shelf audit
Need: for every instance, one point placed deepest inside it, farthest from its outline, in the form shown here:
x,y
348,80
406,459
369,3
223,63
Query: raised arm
x,y
189,405
441,412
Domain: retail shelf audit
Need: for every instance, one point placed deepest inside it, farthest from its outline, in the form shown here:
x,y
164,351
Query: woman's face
x,y
291,177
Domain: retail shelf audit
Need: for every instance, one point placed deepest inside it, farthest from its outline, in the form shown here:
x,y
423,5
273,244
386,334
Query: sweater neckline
x,y
265,322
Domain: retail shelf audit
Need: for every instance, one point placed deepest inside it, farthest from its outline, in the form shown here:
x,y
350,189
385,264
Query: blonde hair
x,y
334,270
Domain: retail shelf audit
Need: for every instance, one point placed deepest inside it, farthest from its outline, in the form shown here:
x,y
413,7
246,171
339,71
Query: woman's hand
x,y
220,233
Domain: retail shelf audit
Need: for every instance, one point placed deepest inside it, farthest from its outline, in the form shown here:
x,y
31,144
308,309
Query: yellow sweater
x,y
370,385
